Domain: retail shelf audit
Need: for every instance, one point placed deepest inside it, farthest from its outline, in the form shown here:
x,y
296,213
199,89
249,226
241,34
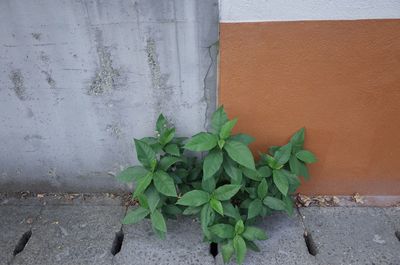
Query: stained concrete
x,y
80,79
352,235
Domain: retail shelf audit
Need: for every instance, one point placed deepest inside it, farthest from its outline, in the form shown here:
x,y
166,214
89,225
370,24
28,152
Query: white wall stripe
x,y
233,11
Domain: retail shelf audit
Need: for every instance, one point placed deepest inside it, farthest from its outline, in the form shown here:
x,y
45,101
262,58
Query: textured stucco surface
x,y
80,78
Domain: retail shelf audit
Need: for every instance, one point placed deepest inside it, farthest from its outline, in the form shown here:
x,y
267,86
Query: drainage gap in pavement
x,y
311,246
397,234
214,249
22,242
117,243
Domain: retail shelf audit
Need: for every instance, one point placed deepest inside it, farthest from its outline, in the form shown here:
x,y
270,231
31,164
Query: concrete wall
x,y
331,66
80,78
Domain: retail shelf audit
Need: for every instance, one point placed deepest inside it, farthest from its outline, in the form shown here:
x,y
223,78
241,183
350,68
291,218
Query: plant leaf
x,y
158,221
226,192
280,181
262,189
251,174
232,170
306,156
207,216
227,251
201,142
153,198
298,167
297,140
240,247
194,198
161,124
264,172
225,231
282,155
145,154
168,161
167,136
239,153
212,163
164,183
239,227
217,206
135,216
255,208
218,119
274,203
231,211
131,173
172,149
143,184
226,129
191,210
243,138
253,233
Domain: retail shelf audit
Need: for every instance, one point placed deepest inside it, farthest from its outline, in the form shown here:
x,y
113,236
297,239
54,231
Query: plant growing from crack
x,y
226,188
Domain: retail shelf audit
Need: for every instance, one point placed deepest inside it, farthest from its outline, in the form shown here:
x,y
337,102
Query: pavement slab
x,y
183,245
72,235
15,221
285,244
352,235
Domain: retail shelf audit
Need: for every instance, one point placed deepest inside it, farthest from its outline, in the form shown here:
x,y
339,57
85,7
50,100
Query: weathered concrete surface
x,y
79,79
284,246
71,235
352,235
14,222
183,245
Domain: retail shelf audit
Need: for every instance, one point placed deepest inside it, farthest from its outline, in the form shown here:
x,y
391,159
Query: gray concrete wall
x,y
80,78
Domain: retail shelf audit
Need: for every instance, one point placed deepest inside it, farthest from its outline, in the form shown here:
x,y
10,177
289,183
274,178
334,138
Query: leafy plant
x,y
226,188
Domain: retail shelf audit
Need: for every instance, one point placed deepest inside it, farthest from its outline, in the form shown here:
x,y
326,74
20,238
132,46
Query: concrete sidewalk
x,y
85,229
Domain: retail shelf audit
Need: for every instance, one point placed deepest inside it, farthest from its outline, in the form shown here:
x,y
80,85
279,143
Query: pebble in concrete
x,y
285,244
71,235
14,222
352,235
183,245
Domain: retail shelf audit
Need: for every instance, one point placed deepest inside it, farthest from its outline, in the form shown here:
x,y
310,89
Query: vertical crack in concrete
x,y
206,89
19,89
178,53
104,80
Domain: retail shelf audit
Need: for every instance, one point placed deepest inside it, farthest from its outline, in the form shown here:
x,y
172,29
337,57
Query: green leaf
x,y
306,156
264,172
226,192
143,201
293,180
227,251
194,198
273,149
282,155
164,183
223,230
171,209
167,136
168,161
251,174
288,205
251,245
218,119
297,140
153,198
212,163
131,173
226,129
243,138
298,167
274,203
272,162
145,154
231,211
207,216
240,153
201,142
172,149
135,216
217,206
208,184
161,124
143,184
262,189
240,247
239,227
191,210
280,181
255,208
158,221
233,172
253,233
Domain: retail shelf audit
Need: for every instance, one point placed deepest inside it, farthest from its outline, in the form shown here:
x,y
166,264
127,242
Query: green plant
x,y
226,188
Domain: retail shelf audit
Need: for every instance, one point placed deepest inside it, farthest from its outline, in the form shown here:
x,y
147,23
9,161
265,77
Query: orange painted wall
x,y
339,79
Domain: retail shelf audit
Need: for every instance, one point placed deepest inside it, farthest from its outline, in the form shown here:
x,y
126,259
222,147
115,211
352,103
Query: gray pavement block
x,y
352,235
183,245
72,235
14,222
393,213
285,244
